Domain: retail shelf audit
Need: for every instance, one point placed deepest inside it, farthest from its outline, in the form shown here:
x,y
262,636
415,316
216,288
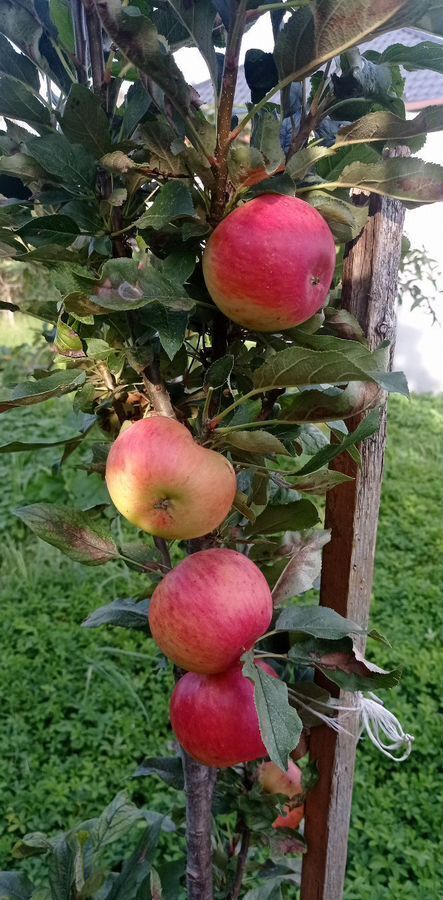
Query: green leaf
x,y
121,614
408,179
262,442
342,663
170,324
29,446
30,392
320,482
219,371
60,11
246,165
66,851
115,821
137,103
329,404
300,163
18,102
86,213
385,126
34,844
198,20
172,202
295,516
155,286
369,426
138,39
17,65
57,229
135,872
425,55
67,342
317,621
331,165
271,886
325,29
168,768
339,362
125,286
158,137
265,137
85,122
15,886
73,532
70,163
345,220
280,724
303,568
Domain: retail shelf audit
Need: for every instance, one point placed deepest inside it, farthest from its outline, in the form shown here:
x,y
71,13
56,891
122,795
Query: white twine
x,y
381,726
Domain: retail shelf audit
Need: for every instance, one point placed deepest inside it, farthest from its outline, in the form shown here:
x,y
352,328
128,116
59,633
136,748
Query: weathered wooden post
x,y
369,293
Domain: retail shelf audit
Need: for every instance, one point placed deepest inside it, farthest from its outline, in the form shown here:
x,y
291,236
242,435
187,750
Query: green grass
x,y
79,711
395,845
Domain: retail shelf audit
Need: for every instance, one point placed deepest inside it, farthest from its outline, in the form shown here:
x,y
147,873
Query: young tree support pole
x,y
370,279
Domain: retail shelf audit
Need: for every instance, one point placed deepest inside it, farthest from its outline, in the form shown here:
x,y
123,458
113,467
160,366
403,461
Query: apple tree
x,y
220,290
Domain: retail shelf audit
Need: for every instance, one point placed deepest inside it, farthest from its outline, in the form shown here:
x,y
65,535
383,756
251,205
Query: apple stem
x,y
163,549
156,390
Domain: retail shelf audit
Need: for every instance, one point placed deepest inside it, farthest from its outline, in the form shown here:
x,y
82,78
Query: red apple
x,y
269,264
291,819
215,719
208,610
161,480
275,781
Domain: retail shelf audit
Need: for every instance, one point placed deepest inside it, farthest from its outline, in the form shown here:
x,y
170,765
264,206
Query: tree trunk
x,y
369,293
199,787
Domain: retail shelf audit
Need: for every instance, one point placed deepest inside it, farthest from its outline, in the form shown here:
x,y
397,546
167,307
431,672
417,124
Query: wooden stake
x,y
369,293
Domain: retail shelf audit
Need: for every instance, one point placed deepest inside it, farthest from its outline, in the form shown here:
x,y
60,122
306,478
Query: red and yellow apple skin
x,y
162,481
269,264
215,719
274,781
210,609
291,819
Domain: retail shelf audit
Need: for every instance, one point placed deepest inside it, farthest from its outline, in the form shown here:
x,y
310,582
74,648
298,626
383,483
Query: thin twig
x,y
242,860
78,19
95,46
224,118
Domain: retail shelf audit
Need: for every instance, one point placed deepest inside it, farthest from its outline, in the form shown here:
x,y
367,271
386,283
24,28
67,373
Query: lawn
x,y
81,708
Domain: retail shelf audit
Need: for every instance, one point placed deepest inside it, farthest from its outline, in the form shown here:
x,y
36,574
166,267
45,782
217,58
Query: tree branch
x,y
242,860
224,118
199,789
78,19
95,45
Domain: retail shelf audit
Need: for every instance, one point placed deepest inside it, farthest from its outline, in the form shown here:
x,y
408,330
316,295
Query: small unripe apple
x,y
215,719
275,781
208,610
162,481
291,819
269,264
